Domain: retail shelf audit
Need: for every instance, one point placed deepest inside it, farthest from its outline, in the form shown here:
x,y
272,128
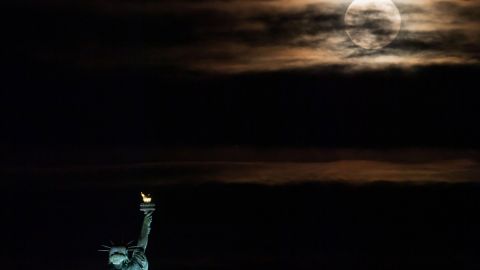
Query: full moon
x,y
372,24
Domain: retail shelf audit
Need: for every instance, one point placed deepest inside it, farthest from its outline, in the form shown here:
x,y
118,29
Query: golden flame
x,y
146,198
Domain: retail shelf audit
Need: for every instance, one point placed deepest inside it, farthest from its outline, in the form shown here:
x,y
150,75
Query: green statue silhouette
x,y
118,258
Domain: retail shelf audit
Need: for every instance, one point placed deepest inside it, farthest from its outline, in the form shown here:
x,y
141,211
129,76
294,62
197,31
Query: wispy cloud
x,y
274,167
242,36
262,173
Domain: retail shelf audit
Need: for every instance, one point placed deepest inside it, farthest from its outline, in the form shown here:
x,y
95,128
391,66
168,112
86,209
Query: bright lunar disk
x,y
372,24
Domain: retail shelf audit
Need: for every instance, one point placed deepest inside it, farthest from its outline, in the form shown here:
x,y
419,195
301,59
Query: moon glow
x,y
372,24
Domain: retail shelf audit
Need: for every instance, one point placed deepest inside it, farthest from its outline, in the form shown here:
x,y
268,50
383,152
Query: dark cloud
x,y
288,26
445,41
462,11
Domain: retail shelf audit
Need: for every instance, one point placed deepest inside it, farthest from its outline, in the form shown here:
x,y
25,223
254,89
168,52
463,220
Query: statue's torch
x,y
147,205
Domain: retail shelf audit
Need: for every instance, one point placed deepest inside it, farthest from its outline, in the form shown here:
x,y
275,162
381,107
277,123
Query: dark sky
x,y
102,99
45,105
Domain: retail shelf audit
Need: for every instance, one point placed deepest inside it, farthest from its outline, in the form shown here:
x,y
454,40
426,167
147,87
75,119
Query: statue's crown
x,y
123,249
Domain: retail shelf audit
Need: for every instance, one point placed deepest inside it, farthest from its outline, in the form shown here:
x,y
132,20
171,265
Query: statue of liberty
x,y
118,255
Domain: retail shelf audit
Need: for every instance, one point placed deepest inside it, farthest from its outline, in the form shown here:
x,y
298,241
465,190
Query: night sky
x,y
267,137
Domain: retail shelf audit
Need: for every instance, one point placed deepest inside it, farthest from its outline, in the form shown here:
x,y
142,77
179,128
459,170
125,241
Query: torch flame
x,y
146,198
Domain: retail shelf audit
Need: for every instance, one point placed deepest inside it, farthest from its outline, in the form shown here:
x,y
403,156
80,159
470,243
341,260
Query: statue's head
x,y
118,255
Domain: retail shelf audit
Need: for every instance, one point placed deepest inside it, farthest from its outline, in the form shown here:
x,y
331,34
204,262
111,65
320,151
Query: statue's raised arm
x,y
145,232
139,259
